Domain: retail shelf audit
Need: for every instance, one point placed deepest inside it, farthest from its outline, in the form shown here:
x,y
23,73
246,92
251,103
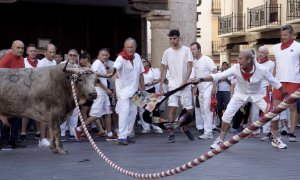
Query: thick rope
x,y
223,146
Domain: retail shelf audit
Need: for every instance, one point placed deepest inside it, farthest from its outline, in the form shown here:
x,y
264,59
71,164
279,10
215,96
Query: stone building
x,y
250,24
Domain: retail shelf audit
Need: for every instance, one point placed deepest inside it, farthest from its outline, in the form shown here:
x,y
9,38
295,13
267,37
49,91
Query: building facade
x,y
247,24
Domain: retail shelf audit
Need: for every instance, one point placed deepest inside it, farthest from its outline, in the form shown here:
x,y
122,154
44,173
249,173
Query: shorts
x,y
185,97
288,86
100,107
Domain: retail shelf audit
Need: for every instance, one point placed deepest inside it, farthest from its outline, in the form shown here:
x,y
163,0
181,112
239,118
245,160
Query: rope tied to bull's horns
x,y
227,144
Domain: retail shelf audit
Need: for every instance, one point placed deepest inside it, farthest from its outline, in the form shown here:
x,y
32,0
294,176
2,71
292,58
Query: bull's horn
x,y
70,70
107,75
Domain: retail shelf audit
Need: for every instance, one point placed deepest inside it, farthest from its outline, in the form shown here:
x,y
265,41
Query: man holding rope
x,y
248,89
178,60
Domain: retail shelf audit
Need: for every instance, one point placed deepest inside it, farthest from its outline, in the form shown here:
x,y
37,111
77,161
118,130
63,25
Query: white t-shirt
x,y
203,67
269,65
149,77
249,89
27,65
287,63
127,82
176,60
45,62
99,67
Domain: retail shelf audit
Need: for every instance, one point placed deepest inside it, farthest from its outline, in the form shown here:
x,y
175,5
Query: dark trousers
x,y
241,116
10,134
223,98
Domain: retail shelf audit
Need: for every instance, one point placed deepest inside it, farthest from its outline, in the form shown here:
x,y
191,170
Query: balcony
x,y
216,7
216,48
231,26
264,18
293,11
148,5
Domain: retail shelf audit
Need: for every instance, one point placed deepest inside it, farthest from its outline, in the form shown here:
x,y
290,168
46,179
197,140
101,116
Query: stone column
x,y
183,17
159,20
225,56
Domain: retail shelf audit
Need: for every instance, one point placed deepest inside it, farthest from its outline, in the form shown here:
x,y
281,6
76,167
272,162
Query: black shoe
x,y
17,145
171,138
6,147
22,138
284,133
189,135
37,136
201,131
71,137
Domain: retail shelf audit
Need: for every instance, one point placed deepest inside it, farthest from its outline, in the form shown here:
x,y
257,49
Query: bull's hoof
x,y
60,151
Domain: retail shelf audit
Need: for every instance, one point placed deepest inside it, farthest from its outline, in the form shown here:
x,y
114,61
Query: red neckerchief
x,y
32,62
247,76
270,105
261,61
287,44
126,56
147,68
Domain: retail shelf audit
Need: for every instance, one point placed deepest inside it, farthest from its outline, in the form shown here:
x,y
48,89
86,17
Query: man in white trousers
x,y
130,70
248,89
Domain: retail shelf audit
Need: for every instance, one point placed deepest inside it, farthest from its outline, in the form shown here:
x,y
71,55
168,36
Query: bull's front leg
x,y
55,138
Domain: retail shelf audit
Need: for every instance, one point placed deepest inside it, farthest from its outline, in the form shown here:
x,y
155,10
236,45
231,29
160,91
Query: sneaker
x,y
44,143
216,143
158,131
189,135
63,138
101,134
292,138
112,138
171,138
6,147
132,134
206,136
77,134
278,144
145,131
298,126
131,140
267,136
37,136
122,142
214,130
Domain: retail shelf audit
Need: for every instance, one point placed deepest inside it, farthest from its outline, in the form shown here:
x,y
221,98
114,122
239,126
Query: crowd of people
x,y
244,91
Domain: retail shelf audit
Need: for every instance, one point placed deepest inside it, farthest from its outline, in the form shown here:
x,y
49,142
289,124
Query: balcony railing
x,y
216,7
231,24
293,10
215,48
268,14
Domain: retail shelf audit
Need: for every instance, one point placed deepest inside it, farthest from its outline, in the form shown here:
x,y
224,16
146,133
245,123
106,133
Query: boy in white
x,y
204,66
178,60
129,76
248,89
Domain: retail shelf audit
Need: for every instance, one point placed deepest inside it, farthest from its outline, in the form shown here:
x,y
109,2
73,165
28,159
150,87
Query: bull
x,y
45,94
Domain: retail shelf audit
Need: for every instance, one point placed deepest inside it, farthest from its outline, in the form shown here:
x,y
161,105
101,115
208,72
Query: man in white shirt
x,y
178,60
130,70
48,60
287,71
248,89
204,66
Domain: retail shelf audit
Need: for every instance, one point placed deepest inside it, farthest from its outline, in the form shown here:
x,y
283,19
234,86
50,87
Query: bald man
x,y
248,89
14,60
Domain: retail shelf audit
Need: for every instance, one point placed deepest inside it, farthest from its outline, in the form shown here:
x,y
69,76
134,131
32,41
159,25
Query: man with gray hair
x,y
248,89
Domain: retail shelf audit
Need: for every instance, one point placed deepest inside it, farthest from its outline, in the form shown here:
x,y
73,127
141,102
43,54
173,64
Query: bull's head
x,y
85,81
